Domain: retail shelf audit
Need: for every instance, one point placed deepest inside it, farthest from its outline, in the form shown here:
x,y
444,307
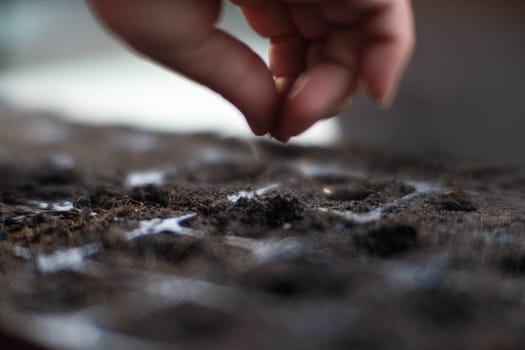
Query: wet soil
x,y
117,238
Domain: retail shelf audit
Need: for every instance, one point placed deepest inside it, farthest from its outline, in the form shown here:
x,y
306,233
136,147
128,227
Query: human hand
x,y
320,52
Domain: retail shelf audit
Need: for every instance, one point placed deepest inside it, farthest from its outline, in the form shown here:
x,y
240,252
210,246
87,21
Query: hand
x,y
320,52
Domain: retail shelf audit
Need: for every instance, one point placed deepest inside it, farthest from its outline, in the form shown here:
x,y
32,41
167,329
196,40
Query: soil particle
x,y
166,247
296,278
191,326
10,341
61,292
513,263
256,215
151,195
182,323
454,200
444,308
383,258
57,176
388,240
271,211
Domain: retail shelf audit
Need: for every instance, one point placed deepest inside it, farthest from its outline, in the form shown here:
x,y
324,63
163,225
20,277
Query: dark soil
x,y
236,244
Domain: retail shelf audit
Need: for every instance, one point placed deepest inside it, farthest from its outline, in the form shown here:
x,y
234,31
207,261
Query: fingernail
x,y
385,106
386,102
388,99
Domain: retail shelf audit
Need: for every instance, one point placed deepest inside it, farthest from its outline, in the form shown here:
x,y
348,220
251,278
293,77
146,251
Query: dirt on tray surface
x,y
124,239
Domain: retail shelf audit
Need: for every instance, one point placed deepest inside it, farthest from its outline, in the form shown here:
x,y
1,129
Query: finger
x,y
271,19
338,13
315,96
308,21
287,60
287,52
159,23
232,69
389,31
181,34
328,84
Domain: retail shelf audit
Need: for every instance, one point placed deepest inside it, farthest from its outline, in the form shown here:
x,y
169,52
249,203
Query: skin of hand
x,y
321,52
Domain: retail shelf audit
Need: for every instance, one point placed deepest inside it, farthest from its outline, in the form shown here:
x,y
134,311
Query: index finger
x,y
389,42
182,35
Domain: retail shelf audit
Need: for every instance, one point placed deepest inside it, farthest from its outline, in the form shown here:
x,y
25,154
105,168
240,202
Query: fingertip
x,y
281,138
261,112
382,70
385,103
384,65
315,96
391,44
386,99
259,131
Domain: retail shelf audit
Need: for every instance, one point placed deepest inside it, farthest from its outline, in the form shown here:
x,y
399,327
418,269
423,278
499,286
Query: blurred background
x,y
462,97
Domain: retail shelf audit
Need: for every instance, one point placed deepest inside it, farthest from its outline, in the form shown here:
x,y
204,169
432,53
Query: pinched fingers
x,y
181,34
319,51
325,88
